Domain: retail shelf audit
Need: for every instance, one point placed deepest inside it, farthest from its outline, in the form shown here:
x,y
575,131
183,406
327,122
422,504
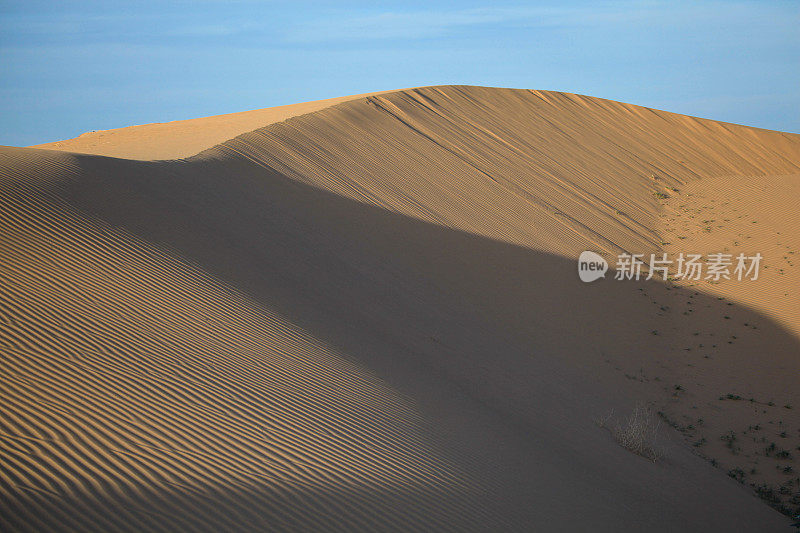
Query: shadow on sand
x,y
504,350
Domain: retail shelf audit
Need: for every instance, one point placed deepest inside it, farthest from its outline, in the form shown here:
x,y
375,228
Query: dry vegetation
x,y
637,433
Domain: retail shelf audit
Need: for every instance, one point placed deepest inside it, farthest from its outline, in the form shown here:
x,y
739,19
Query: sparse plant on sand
x,y
637,433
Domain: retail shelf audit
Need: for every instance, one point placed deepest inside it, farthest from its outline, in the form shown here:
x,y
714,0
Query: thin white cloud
x,y
393,25
427,24
624,14
210,30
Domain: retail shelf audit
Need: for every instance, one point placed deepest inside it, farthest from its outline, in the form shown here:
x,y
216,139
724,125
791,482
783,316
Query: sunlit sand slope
x,y
183,138
551,171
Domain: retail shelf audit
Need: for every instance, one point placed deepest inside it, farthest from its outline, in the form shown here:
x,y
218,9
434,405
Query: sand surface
x,y
368,317
183,138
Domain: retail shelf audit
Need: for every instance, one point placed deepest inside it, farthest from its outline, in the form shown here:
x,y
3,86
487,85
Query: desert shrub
x,y
637,433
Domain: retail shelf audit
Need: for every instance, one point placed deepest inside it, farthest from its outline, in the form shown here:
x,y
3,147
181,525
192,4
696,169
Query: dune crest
x,y
368,318
183,138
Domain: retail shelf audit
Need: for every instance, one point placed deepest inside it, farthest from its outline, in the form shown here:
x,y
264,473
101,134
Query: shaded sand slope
x,y
362,319
193,407
183,138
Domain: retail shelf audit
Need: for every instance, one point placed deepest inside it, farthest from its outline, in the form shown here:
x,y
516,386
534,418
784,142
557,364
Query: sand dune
x,y
367,317
183,138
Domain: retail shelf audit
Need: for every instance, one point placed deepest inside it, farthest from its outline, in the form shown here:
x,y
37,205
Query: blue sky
x,y
70,67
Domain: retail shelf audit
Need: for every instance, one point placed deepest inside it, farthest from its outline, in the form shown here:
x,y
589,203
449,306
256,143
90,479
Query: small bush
x,y
638,433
